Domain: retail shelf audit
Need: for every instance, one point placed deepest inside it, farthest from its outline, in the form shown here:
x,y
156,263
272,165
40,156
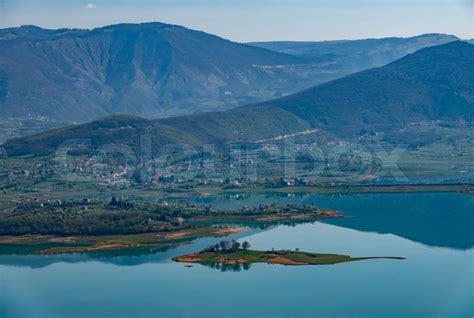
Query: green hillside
x,y
432,84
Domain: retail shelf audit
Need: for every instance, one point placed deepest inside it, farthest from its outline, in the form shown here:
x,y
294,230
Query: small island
x,y
234,253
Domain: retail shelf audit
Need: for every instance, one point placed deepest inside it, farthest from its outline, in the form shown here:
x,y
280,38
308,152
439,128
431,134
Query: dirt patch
x,y
177,235
221,231
191,258
284,261
216,231
225,260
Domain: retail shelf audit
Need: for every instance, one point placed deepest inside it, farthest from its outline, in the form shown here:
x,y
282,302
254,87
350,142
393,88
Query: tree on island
x,y
227,246
224,245
235,245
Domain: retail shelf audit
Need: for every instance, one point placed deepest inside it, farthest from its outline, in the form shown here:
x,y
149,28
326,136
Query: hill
x,y
435,83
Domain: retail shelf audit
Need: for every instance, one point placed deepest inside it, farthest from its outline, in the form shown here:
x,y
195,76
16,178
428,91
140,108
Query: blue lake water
x,y
433,231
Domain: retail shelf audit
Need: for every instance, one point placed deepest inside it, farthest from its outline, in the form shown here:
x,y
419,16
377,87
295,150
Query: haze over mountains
x,y
351,56
51,78
435,83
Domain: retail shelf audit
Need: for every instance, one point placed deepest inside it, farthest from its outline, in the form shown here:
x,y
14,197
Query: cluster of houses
x,y
270,183
40,171
286,182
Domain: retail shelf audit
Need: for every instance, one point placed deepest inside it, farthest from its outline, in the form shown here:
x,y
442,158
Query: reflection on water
x,y
229,267
122,257
435,219
435,280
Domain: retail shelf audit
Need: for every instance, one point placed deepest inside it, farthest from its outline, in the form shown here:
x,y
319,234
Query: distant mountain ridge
x,y
358,55
51,78
435,83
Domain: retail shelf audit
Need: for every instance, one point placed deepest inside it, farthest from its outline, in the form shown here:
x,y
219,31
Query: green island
x,y
233,253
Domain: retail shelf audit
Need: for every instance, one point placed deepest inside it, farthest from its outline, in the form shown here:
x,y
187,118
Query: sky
x,y
256,20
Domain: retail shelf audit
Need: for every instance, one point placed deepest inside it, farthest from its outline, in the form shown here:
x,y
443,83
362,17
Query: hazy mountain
x,y
435,83
356,55
152,70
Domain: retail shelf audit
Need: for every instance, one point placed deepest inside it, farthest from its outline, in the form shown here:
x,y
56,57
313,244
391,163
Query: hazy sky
x,y
252,20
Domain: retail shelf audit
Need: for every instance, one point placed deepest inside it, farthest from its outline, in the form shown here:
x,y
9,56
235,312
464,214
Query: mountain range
x,y
435,83
52,78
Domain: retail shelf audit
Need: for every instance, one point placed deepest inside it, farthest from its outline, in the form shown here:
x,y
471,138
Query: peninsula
x,y
233,253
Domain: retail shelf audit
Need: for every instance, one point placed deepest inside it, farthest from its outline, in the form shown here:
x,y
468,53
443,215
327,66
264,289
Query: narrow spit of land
x,y
288,258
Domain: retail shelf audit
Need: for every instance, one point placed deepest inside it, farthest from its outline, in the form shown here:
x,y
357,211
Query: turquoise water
x,y
433,231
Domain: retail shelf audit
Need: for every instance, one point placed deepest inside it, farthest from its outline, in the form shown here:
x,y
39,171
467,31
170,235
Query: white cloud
x,y
91,6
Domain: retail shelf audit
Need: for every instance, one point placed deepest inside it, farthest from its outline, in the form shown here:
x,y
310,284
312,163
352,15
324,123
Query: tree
x,y
113,201
224,245
235,245
245,245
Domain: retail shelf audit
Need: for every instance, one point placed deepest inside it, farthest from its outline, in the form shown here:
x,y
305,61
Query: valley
x,y
149,169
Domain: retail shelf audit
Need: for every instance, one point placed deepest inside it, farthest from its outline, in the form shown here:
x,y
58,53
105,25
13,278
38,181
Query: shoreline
x,y
342,189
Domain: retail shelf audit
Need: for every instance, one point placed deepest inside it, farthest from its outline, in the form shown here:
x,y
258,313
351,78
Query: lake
x,y
434,231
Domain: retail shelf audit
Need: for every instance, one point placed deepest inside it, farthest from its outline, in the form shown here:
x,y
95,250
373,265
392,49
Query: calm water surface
x,y
433,231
